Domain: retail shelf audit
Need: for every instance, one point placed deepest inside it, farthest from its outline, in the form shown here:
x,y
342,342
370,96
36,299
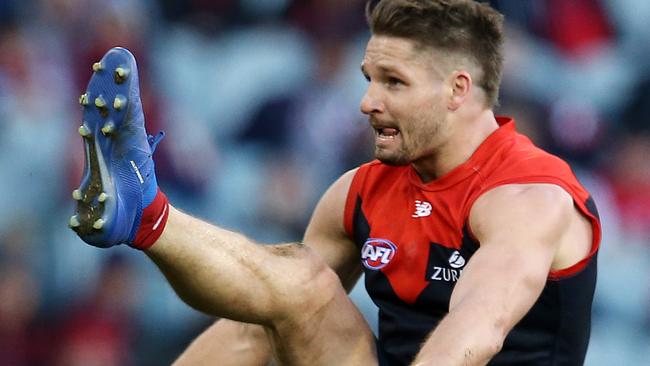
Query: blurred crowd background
x,y
259,99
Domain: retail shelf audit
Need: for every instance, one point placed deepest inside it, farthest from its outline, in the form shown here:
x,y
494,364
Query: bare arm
x,y
326,233
519,228
228,342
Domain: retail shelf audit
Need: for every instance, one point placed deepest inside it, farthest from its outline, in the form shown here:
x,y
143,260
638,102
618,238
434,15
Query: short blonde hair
x,y
463,28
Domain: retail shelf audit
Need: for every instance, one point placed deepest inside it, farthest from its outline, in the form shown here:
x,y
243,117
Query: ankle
x,y
152,223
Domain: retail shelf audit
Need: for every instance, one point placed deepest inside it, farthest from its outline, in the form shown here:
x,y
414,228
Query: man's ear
x,y
461,86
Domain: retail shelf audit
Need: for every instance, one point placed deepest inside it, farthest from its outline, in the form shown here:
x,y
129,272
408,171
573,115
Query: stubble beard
x,y
398,158
419,144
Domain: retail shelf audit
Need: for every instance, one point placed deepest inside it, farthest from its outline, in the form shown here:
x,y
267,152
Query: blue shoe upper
x,y
123,151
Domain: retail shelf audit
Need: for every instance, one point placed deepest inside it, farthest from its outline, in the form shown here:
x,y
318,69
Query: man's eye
x,y
394,81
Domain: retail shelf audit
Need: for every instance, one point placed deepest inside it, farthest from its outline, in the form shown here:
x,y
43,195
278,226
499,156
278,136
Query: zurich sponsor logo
x,y
456,260
377,253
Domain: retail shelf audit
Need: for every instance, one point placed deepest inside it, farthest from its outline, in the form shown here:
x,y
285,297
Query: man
x,y
477,247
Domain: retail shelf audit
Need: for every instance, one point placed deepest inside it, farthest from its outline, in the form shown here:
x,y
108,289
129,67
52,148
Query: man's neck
x,y
466,137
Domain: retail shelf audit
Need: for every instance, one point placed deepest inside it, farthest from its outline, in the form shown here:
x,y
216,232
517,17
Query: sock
x,y
152,224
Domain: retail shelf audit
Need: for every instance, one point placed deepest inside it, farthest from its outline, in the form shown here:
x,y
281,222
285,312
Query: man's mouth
x,y
386,132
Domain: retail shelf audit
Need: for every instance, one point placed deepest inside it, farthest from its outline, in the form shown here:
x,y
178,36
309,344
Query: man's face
x,y
404,101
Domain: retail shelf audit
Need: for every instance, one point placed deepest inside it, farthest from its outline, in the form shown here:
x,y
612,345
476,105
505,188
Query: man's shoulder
x,y
524,159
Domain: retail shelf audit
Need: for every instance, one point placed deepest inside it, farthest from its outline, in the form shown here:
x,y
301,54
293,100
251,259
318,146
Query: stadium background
x,y
259,99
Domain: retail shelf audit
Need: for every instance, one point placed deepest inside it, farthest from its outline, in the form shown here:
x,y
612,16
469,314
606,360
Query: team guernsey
x,y
415,242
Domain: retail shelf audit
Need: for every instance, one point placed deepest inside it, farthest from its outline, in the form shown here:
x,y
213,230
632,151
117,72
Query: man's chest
x,y
416,246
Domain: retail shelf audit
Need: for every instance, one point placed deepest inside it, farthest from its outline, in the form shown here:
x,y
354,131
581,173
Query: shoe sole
x,y
104,105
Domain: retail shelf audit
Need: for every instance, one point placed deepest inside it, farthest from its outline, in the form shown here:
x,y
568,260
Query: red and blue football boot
x,y
119,181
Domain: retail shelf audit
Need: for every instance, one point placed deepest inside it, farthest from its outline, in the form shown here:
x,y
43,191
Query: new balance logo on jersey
x,y
456,261
377,253
422,209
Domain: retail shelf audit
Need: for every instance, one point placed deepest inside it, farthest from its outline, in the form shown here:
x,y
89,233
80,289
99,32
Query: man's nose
x,y
371,102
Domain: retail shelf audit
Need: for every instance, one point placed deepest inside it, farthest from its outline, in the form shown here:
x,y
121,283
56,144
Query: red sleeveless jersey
x,y
414,241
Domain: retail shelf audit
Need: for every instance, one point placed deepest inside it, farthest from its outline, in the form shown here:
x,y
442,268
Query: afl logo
x,y
456,260
377,253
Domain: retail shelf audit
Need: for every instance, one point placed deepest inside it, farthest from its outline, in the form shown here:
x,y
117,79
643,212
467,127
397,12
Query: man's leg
x,y
286,288
228,343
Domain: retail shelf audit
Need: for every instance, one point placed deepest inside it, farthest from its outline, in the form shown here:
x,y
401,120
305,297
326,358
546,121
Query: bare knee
x,y
309,287
314,316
